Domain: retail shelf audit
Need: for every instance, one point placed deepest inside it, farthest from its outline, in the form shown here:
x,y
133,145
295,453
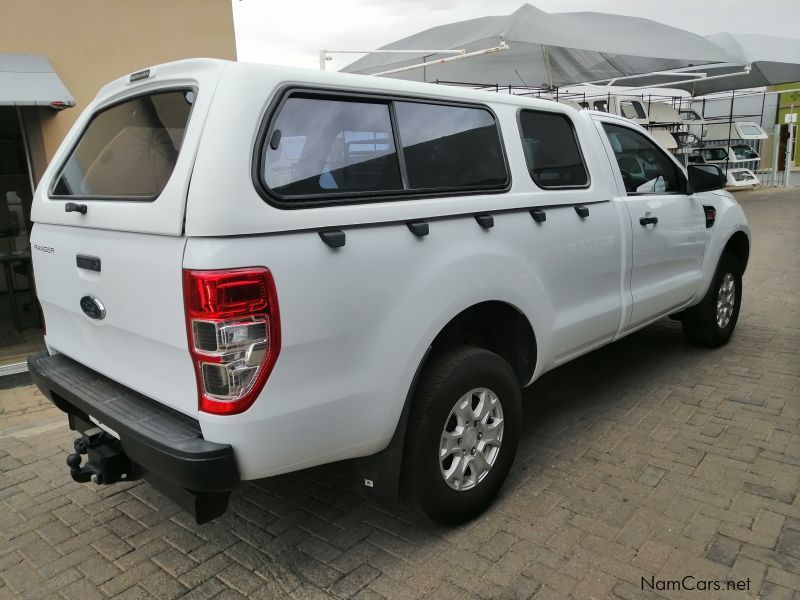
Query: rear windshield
x,y
128,151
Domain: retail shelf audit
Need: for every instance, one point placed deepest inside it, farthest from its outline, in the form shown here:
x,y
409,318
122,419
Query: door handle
x,y
645,221
74,207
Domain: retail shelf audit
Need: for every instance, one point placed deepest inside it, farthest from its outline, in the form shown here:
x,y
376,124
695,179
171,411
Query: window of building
x,y
129,150
645,168
551,150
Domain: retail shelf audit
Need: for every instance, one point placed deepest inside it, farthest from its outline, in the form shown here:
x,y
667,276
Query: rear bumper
x,y
167,446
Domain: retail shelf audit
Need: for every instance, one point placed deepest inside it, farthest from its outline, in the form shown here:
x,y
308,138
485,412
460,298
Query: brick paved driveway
x,y
648,458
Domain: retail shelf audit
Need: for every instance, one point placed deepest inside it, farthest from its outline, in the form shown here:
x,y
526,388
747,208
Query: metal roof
x,y
29,80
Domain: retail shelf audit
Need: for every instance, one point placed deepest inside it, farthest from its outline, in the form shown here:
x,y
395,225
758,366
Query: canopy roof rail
x,y
667,84
690,71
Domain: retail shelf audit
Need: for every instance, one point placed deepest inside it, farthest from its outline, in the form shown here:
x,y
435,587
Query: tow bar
x,y
106,462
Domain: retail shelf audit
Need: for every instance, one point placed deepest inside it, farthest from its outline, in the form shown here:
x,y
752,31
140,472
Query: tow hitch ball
x,y
106,462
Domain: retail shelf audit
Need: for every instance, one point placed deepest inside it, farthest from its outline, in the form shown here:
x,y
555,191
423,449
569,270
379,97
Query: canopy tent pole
x,y
441,61
548,70
776,142
787,167
323,54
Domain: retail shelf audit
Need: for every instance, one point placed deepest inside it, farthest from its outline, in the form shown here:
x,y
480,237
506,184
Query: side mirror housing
x,y
705,178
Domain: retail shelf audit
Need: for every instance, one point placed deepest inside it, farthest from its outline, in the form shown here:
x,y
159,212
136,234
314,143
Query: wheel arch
x,y
496,326
739,246
482,324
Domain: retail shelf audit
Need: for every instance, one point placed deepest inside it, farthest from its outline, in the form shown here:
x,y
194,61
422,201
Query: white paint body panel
x,y
355,321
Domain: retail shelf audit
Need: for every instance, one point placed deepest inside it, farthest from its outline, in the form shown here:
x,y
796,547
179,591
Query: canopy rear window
x,y
128,151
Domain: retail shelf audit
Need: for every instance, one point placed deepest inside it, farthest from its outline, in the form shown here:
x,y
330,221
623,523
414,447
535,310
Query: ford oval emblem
x,y
93,308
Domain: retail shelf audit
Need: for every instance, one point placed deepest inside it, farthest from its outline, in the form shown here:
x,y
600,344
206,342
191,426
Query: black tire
x,y
700,325
445,379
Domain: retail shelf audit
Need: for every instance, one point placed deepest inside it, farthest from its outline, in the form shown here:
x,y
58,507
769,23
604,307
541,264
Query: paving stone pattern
x,y
646,459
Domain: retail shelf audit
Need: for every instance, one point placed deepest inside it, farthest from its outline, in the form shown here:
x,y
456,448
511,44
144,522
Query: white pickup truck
x,y
247,270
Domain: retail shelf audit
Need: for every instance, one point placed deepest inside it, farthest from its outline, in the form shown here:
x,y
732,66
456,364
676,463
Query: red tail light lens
x,y
233,326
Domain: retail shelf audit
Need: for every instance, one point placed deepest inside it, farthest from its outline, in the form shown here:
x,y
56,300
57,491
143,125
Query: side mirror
x,y
705,178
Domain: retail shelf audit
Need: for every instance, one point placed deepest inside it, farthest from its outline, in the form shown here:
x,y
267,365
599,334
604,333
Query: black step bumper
x,y
167,446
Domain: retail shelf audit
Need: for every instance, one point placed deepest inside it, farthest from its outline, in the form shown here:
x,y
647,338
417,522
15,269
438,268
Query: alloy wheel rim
x,y
471,439
726,298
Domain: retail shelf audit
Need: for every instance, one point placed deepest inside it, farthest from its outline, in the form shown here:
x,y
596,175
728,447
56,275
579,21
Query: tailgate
x,y
107,241
140,339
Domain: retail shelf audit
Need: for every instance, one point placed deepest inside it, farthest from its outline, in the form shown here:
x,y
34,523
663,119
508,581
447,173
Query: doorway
x,y
20,317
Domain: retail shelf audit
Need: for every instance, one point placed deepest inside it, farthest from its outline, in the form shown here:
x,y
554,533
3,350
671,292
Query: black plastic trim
x,y
91,263
152,435
418,228
335,238
538,215
582,211
345,198
432,218
485,220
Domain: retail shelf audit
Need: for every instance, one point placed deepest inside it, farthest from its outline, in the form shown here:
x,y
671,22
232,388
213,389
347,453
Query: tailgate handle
x,y
75,207
91,263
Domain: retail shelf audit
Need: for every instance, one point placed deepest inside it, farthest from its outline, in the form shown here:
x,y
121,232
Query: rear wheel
x,y
711,323
462,435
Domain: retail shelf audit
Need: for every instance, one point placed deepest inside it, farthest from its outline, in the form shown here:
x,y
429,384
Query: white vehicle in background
x,y
722,130
630,107
737,130
247,270
661,113
741,178
735,153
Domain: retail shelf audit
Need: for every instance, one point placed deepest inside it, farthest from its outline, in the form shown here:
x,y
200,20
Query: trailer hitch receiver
x,y
106,462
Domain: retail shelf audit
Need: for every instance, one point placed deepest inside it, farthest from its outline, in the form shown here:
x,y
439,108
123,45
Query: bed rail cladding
x,y
730,233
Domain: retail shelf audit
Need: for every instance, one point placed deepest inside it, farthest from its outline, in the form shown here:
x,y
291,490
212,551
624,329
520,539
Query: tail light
x,y
233,326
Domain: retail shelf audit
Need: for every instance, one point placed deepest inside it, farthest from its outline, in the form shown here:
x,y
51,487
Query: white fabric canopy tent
x,y
544,48
547,50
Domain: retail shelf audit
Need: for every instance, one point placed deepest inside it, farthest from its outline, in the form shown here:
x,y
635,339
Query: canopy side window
x,y
552,150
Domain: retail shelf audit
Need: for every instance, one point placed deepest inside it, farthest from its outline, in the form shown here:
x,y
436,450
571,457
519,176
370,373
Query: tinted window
x,y
128,150
714,153
744,151
320,146
601,105
448,147
632,110
551,150
645,168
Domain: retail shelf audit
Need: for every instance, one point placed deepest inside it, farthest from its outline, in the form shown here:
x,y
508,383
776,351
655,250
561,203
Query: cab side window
x,y
645,168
